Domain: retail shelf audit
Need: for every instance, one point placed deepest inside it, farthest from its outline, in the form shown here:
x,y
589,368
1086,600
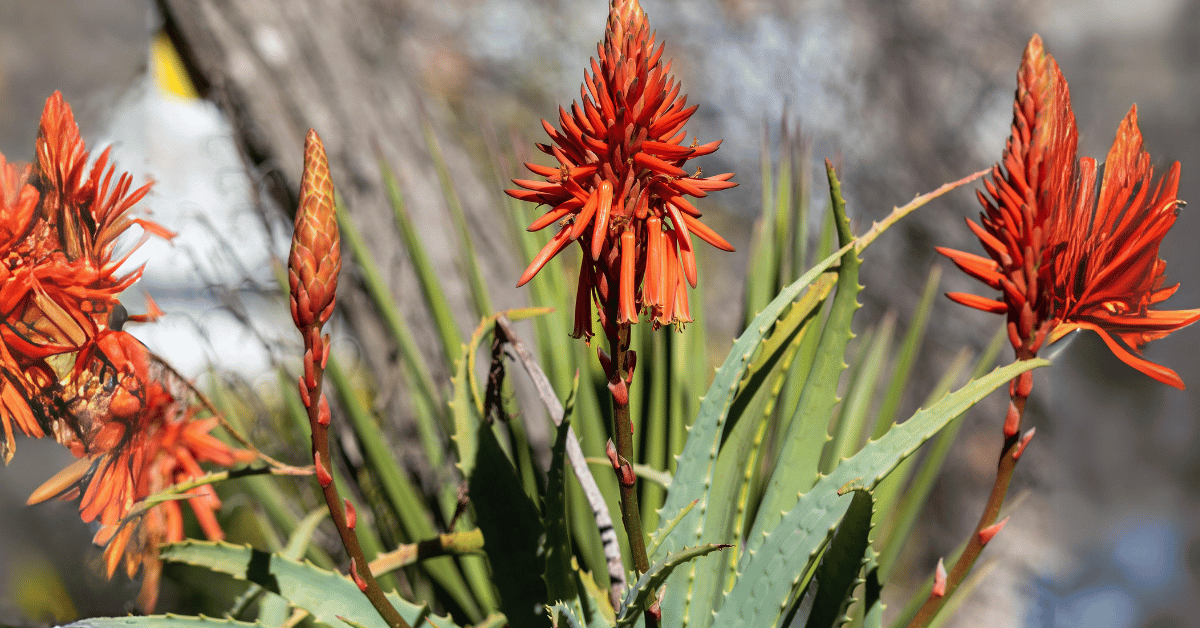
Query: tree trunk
x,y
279,67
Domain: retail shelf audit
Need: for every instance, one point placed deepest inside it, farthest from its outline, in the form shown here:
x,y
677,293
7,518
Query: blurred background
x,y
903,95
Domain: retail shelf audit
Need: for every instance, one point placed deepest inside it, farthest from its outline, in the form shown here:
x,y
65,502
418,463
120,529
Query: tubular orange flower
x,y
1063,255
619,188
170,454
59,281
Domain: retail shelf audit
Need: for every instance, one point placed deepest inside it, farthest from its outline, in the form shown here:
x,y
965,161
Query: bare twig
x,y
604,521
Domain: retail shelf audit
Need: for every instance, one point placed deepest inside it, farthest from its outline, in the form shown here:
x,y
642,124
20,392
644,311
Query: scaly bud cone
x,y
315,257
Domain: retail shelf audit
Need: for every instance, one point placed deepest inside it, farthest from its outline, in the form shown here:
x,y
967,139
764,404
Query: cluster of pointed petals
x,y
67,367
620,188
1067,254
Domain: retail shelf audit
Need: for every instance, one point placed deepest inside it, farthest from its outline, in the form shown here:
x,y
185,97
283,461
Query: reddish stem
x,y
984,531
319,421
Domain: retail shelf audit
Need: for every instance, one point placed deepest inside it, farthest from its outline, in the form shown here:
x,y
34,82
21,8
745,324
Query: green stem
x,y
991,511
320,448
631,516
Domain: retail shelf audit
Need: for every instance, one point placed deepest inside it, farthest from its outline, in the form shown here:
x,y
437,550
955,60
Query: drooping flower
x,y
170,453
60,275
1064,254
619,187
68,368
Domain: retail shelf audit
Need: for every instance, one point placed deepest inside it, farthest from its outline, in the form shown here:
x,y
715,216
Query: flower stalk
x,y
1065,255
987,528
620,377
313,266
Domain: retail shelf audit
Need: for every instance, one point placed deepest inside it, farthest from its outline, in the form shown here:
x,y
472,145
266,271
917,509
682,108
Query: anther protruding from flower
x,y
619,187
1020,448
315,258
987,534
1064,253
939,580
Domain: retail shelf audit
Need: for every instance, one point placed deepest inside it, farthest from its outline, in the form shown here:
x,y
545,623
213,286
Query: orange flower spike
x,y
315,258
621,166
1064,256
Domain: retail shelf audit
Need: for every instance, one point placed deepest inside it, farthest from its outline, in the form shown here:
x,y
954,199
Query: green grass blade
x,y
406,502
762,275
906,357
434,296
467,258
410,354
656,427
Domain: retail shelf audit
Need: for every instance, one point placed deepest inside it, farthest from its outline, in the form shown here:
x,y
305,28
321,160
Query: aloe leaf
x,y
274,609
161,621
564,615
898,519
559,576
873,605
774,562
512,530
918,491
594,601
639,596
795,468
695,469
852,418
324,594
838,572
738,459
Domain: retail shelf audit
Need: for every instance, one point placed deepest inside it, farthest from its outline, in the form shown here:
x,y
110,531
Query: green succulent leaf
x,y
324,594
639,597
161,621
838,572
774,563
559,576
512,530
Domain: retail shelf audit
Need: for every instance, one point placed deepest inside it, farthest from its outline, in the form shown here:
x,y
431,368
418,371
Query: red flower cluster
x,y
68,369
1064,255
619,188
